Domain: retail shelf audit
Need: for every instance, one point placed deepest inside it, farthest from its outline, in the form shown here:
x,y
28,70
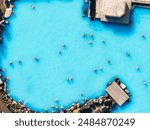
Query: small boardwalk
x,y
117,93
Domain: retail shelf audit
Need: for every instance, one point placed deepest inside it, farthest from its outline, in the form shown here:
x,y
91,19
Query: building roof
x,y
114,8
115,91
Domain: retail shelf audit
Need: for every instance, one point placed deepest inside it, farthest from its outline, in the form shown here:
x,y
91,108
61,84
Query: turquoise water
x,y
42,32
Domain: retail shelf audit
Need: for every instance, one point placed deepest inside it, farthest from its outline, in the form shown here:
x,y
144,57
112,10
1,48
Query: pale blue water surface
x,y
43,32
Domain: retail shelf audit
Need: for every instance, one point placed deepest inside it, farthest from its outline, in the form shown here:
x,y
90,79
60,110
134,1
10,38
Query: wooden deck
x,y
115,91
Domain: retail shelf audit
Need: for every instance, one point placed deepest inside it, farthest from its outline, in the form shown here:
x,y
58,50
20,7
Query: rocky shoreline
x,y
6,7
103,104
11,106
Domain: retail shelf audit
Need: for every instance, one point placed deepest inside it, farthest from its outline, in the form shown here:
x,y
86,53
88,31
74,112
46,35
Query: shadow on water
x,y
124,106
3,52
119,29
6,40
7,33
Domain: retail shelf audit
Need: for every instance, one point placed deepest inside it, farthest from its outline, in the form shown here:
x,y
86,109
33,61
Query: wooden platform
x,y
115,91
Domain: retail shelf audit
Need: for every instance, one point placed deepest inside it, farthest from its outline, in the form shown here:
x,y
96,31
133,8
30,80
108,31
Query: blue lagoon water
x,y
42,32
